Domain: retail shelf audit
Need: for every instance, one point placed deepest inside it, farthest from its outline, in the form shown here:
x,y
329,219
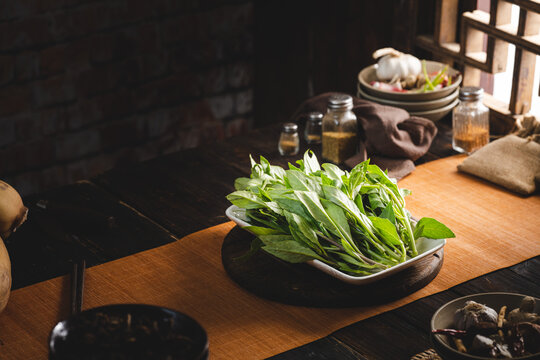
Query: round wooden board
x,y
302,284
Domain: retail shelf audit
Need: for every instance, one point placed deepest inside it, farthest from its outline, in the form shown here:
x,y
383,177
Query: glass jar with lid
x,y
339,129
289,142
312,132
470,121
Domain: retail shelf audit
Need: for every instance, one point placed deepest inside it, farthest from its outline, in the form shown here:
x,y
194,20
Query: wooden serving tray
x,y
304,285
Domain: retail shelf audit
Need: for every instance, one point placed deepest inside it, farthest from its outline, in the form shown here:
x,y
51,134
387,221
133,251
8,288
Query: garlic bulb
x,y
472,314
393,63
12,210
5,276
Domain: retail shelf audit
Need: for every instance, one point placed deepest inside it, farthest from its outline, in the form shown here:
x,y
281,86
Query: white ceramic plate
x,y
424,246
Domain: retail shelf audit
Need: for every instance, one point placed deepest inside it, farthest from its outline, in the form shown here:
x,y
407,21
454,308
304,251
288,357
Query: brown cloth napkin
x,y
511,161
389,136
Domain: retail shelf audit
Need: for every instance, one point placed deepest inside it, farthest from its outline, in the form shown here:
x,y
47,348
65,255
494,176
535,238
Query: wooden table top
x,y
142,206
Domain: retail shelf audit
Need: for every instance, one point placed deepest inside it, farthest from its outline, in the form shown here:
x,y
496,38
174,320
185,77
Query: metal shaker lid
x,y
290,128
315,117
340,101
471,93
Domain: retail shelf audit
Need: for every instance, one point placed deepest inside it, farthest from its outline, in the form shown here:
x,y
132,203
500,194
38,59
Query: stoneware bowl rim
x,y
449,352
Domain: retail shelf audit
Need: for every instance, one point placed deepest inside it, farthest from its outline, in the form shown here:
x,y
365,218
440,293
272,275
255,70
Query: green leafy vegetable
x,y
354,221
433,229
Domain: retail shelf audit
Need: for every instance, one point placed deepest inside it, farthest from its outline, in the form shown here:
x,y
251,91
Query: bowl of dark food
x,y
128,331
488,326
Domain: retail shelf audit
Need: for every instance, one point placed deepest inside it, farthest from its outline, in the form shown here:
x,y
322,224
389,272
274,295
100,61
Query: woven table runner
x,y
494,229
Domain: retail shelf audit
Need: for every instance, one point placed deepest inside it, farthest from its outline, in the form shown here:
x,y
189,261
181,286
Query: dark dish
x,y
128,331
488,326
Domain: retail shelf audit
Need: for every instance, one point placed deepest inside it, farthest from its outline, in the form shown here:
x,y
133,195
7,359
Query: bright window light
x,y
501,81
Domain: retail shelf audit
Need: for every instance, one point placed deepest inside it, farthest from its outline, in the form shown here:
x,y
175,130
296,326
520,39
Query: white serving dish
x,y
424,246
369,74
437,114
412,105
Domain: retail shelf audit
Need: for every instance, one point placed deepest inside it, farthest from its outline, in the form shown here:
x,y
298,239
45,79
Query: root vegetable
x,y
12,210
5,276
525,312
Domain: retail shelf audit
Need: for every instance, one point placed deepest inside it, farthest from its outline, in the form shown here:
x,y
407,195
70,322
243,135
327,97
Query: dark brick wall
x,y
86,85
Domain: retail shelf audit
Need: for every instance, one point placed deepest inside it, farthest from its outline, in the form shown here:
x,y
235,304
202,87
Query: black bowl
x,y
444,318
128,331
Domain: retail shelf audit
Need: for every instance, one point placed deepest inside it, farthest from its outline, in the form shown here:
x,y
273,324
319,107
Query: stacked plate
x,y
433,105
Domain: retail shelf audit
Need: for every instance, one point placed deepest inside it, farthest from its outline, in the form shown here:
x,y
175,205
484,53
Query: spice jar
x,y
470,121
313,130
339,129
289,143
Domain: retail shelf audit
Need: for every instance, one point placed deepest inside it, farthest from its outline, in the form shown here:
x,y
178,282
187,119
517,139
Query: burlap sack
x,y
512,162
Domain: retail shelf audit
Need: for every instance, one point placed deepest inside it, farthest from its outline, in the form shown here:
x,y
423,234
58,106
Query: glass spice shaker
x,y
289,142
339,129
313,129
470,121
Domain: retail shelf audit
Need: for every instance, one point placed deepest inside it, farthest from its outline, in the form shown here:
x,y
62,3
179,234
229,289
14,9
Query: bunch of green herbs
x,y
353,221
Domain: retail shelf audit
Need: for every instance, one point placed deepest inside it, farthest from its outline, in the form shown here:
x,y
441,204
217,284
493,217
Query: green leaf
x,y
291,252
405,192
278,191
272,240
300,164
259,230
311,164
300,181
265,165
286,248
277,172
270,220
358,175
386,230
381,175
334,220
263,194
292,205
333,172
337,214
359,203
312,203
256,244
388,213
432,229
303,227
325,180
339,198
292,167
377,175
272,205
375,201
246,200
243,183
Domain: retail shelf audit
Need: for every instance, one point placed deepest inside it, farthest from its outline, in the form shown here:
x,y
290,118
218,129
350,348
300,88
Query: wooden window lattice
x,y
474,55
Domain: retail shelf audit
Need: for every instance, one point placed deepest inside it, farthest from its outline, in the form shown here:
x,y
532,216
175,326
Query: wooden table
x,y
142,206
